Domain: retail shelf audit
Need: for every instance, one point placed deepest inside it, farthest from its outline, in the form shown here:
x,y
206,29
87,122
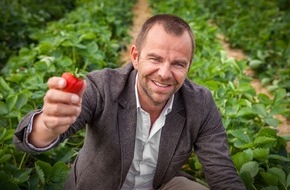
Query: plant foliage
x,y
89,37
257,150
19,18
262,30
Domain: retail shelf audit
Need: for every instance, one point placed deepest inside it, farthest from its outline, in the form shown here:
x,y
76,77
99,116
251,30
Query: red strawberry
x,y
73,83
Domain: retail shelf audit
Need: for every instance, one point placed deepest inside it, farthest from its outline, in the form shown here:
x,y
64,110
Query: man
x,y
143,120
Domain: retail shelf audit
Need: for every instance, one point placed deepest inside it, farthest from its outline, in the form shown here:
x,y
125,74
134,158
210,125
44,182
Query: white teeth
x,y
161,85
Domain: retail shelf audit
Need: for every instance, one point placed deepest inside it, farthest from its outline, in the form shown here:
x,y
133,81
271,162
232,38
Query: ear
x,y
134,56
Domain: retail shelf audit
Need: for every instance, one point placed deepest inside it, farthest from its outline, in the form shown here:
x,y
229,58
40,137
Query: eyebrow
x,y
182,61
154,55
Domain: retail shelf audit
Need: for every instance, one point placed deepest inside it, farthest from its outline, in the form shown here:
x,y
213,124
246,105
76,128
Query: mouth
x,y
161,85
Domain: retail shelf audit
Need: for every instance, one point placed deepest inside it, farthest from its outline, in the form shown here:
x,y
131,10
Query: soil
x,y
142,11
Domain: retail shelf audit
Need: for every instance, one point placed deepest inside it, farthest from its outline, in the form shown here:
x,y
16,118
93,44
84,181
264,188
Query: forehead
x,y
159,39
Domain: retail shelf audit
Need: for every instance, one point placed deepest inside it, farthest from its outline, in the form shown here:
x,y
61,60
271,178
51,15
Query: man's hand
x,y
60,110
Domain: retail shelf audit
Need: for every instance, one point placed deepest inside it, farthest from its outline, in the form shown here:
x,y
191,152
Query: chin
x,y
160,101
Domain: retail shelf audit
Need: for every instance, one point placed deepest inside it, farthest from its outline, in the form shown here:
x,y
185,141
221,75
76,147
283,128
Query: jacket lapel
x,y
127,119
170,136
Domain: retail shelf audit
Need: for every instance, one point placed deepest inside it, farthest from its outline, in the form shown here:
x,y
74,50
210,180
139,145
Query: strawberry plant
x,y
257,150
89,37
19,18
261,29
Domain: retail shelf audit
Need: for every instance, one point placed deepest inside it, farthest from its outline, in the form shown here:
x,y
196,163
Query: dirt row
x,y
141,12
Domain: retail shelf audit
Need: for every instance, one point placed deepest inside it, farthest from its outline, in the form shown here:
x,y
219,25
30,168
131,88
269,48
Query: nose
x,y
164,71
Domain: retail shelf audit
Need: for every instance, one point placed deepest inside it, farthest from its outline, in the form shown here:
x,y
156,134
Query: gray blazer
x,y
109,115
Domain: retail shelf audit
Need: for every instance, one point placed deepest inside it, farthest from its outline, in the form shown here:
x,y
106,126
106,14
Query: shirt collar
x,y
168,107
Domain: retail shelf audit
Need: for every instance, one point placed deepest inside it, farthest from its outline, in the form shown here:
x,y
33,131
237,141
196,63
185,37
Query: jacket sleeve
x,y
212,150
22,131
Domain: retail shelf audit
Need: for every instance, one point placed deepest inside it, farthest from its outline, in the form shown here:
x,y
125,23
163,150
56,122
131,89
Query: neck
x,y
152,109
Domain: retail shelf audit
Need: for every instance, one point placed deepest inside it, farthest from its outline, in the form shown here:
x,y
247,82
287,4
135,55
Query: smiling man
x,y
142,120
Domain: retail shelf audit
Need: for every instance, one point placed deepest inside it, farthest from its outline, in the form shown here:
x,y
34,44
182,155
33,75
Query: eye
x,y
154,59
180,64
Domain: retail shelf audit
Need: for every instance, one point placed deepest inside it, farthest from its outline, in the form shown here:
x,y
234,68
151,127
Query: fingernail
x,y
74,98
61,83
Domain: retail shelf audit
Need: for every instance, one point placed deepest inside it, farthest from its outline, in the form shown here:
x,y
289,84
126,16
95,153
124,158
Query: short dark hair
x,y
172,25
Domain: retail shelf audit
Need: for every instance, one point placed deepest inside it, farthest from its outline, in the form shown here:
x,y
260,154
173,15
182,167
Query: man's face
x,y
162,65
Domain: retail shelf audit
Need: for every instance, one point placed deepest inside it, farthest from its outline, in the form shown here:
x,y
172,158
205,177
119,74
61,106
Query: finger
x,y
59,96
58,124
56,83
61,110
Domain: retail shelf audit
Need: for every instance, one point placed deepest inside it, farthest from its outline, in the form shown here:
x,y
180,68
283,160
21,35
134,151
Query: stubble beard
x,y
153,96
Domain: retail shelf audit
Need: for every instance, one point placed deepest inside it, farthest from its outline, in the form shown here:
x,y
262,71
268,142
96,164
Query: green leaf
x,y
40,66
5,158
279,173
286,137
251,167
267,132
40,171
21,175
271,121
40,174
242,140
59,172
6,183
240,134
260,109
88,36
44,48
288,181
279,95
21,101
263,98
232,110
67,43
247,179
11,101
4,85
270,188
278,157
278,109
6,135
65,62
241,158
269,178
15,77
245,111
261,153
264,142
254,64
3,108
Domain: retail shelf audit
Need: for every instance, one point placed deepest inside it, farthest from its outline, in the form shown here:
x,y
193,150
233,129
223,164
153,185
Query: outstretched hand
x,y
60,110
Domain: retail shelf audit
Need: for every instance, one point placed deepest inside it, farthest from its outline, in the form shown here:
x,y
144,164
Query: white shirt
x,y
143,167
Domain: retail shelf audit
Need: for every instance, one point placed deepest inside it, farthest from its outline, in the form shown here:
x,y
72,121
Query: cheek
x,y
146,68
180,76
